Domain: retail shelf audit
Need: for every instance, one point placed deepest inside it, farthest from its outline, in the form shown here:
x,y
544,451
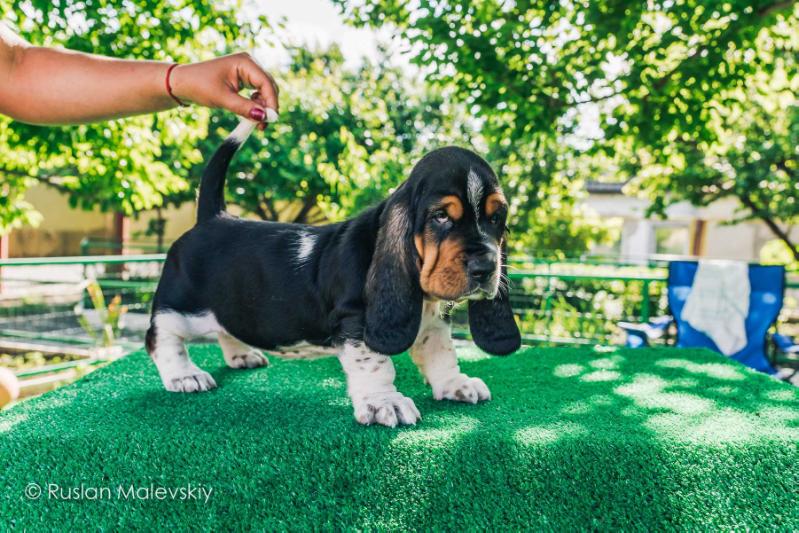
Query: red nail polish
x,y
257,114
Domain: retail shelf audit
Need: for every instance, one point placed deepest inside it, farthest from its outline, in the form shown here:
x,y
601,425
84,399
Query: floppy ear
x,y
491,322
393,295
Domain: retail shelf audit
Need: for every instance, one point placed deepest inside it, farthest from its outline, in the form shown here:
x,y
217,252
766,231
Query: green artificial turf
x,y
574,438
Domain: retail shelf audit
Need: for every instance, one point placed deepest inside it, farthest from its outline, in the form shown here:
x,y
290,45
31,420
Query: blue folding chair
x,y
765,301
639,335
785,345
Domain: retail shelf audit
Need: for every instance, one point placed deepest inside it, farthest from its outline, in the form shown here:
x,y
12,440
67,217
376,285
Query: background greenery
x,y
695,101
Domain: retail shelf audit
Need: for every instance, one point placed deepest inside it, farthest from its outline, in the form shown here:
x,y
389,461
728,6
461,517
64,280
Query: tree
x,y
123,165
754,161
661,74
345,138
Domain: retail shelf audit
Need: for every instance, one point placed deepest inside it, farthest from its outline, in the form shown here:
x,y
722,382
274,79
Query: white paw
x,y
462,388
386,409
194,381
251,359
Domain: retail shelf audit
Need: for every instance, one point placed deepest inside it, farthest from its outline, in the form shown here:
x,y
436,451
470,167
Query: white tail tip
x,y
242,131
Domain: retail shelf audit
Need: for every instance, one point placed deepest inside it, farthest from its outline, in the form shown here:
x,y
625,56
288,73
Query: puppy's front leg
x,y
434,354
370,385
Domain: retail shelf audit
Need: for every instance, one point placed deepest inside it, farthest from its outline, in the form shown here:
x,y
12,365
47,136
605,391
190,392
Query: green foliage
x,y
535,62
30,360
777,252
125,165
673,83
754,161
109,314
345,138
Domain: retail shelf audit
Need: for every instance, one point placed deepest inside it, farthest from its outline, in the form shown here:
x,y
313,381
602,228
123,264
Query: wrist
x,y
173,84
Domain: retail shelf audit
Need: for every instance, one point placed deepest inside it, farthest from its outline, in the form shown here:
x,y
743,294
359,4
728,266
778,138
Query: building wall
x,y
719,240
61,229
732,242
178,221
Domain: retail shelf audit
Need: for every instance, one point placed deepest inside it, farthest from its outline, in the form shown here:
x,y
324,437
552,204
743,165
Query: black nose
x,y
481,267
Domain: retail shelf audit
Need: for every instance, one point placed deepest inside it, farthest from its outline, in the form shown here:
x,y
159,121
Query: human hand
x,y
216,83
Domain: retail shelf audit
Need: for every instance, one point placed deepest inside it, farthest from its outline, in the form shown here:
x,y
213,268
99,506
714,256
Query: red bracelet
x,y
169,85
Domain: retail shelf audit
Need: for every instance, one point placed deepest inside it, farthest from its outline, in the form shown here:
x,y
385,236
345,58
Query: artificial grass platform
x,y
574,438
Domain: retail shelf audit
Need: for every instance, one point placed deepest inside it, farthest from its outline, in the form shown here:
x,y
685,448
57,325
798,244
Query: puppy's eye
x,y
441,217
494,219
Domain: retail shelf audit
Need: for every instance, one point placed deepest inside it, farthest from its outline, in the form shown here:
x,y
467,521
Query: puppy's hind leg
x,y
165,345
239,355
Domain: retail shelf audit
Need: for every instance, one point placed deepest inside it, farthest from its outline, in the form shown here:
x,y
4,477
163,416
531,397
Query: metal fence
x,y
44,301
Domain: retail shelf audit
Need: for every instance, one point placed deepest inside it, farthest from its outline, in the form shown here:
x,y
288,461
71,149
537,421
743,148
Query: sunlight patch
x,y
780,414
333,383
568,370
647,391
548,434
602,400
601,375
9,421
455,428
785,395
684,382
692,418
606,349
713,370
607,363
721,426
467,351
576,408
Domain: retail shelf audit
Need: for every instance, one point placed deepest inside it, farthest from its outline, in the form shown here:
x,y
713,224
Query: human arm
x,y
55,86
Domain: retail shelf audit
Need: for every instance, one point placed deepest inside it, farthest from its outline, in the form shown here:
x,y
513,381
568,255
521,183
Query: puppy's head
x,y
442,236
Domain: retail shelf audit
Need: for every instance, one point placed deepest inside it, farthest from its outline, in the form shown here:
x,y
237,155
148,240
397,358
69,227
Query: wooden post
x,y
121,237
698,241
121,232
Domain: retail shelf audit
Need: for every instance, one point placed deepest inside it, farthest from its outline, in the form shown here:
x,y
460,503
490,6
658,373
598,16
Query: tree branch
x,y
779,6
307,205
772,225
46,180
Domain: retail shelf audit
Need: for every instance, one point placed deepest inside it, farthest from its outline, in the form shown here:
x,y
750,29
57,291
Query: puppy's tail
x,y
211,200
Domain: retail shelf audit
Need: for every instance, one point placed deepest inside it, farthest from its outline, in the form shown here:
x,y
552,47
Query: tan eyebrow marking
x,y
494,201
453,206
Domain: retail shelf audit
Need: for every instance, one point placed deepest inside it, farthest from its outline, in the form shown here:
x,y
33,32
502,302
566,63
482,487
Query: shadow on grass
x,y
573,439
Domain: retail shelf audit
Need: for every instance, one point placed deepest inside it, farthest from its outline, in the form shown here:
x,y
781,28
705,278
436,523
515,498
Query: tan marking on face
x,y
453,206
494,201
443,267
419,245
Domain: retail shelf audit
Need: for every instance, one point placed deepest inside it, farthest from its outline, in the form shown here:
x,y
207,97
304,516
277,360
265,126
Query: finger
x,y
243,107
256,97
254,76
260,100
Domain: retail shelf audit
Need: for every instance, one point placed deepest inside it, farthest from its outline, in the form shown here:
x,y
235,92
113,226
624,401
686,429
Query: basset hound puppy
x,y
370,287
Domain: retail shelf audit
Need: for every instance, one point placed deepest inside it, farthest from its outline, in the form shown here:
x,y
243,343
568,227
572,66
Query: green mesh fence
x,y
46,301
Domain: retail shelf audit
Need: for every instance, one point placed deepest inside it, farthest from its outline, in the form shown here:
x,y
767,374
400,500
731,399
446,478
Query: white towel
x,y
719,303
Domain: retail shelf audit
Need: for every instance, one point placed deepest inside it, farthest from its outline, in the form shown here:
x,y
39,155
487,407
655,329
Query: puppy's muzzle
x,y
483,270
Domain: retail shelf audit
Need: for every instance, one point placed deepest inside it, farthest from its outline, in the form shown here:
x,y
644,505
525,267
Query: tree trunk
x,y
307,205
161,230
773,226
784,237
